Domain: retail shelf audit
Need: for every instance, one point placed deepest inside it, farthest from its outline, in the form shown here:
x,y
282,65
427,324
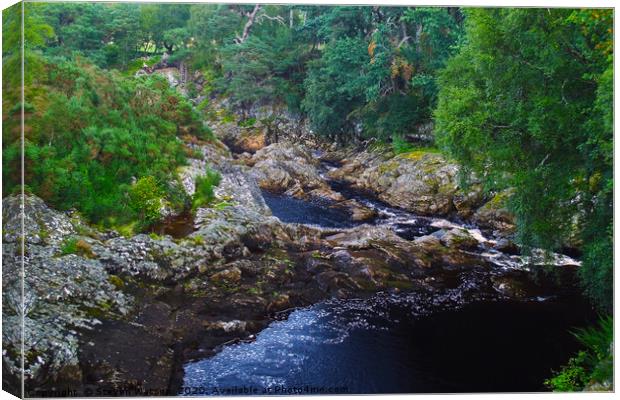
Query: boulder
x,y
494,215
459,239
358,211
421,182
63,293
290,168
41,224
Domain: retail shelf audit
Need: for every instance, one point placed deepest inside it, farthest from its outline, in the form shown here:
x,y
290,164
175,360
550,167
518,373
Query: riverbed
x,y
465,339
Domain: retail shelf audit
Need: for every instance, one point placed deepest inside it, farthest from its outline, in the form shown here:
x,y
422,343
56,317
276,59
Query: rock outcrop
x,y
494,215
63,293
422,182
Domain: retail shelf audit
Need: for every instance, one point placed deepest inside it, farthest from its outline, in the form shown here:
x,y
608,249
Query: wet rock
x,y
358,211
281,302
326,193
510,286
507,246
226,326
124,355
467,201
291,168
434,253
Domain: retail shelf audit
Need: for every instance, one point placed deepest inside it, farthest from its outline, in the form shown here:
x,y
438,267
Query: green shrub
x,y
145,198
69,246
247,123
592,365
205,185
400,145
92,132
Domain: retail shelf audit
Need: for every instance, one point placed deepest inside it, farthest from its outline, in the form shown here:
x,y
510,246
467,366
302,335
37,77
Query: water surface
x,y
387,345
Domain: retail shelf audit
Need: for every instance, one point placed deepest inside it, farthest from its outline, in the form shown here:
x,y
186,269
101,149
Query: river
x,y
467,339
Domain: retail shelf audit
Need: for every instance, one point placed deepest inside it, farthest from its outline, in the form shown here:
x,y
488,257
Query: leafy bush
x,y
205,185
77,246
400,145
69,246
543,125
92,131
590,366
146,199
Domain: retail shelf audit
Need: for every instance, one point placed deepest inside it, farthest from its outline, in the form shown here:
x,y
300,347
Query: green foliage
x,y
263,68
205,185
400,145
247,123
165,25
105,33
69,246
572,377
374,75
73,245
592,365
36,33
526,104
146,199
334,86
92,132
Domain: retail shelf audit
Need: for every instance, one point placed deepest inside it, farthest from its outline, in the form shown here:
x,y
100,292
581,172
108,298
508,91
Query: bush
x,y
69,246
400,145
77,246
205,185
594,365
146,199
92,132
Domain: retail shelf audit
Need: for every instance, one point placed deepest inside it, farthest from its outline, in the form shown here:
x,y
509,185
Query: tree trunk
x,y
248,25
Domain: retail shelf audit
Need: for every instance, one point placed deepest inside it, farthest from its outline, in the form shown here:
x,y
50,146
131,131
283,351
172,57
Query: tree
x,y
526,104
162,24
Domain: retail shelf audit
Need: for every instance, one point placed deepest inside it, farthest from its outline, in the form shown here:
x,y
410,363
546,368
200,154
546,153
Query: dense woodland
x,y
520,97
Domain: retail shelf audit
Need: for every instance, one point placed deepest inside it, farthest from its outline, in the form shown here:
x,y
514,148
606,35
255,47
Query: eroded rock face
x,y
241,139
41,224
420,182
290,168
62,293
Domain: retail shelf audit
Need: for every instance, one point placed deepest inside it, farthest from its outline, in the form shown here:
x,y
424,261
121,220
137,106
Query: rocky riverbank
x,y
126,312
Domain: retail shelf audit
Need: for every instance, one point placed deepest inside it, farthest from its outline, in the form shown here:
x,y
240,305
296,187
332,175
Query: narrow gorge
x,y
311,250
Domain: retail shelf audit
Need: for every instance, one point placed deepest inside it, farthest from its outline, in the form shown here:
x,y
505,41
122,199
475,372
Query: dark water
x,y
292,210
321,213
177,227
385,346
469,339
